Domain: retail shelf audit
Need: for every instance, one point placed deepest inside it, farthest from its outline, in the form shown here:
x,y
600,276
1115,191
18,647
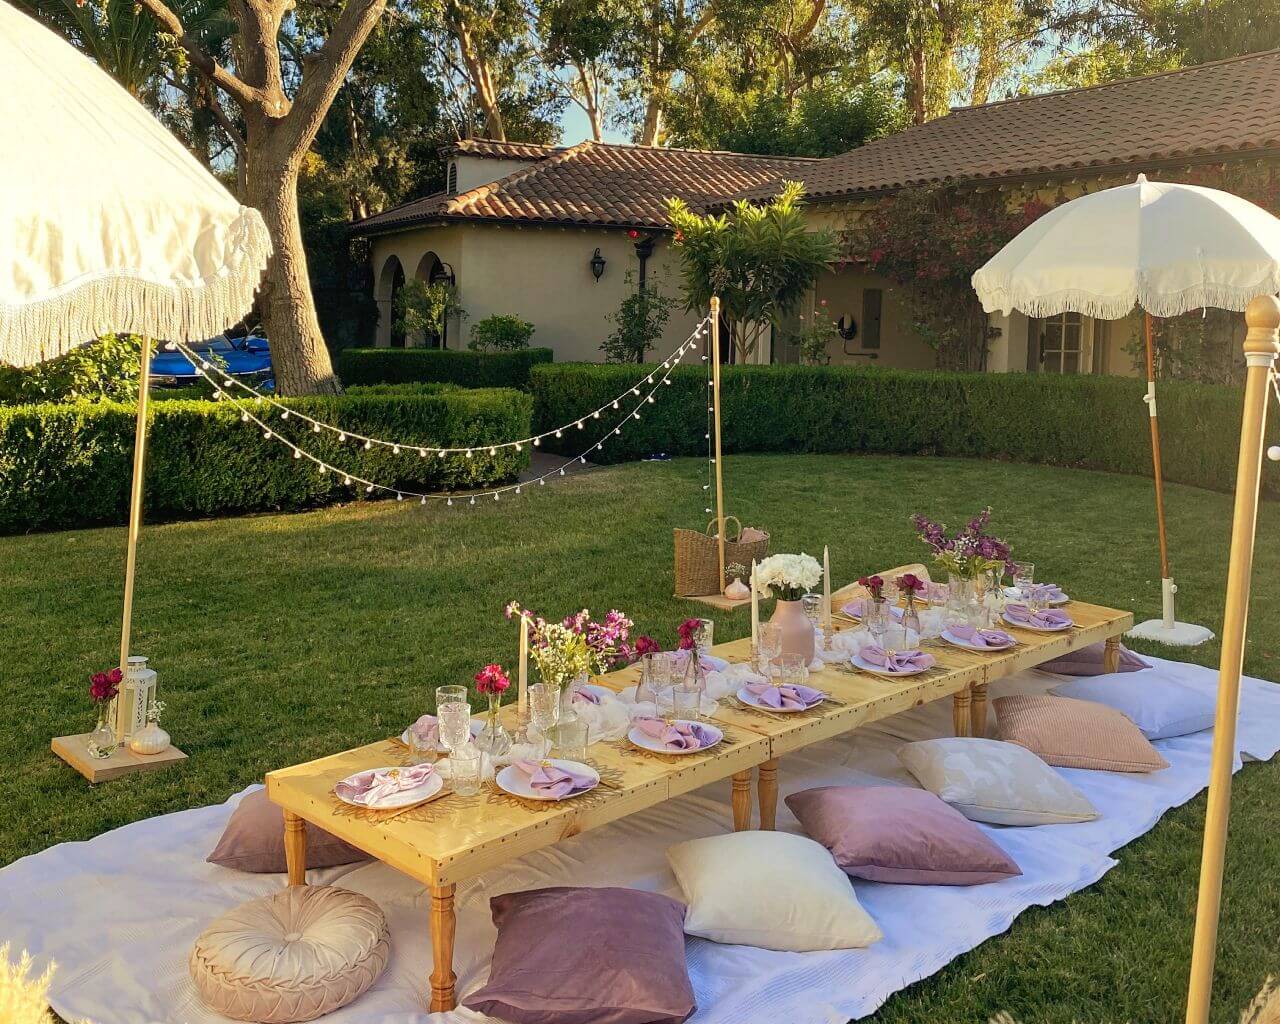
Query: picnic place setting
x,y
783,825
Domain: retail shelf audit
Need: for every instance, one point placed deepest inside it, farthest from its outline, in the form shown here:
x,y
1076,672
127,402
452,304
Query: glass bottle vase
x,y
494,739
102,743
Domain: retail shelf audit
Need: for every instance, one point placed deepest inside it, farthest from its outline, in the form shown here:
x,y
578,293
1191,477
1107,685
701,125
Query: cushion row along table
x,y
453,838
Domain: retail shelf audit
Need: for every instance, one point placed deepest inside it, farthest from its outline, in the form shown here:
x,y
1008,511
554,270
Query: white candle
x,y
755,609
522,700
826,586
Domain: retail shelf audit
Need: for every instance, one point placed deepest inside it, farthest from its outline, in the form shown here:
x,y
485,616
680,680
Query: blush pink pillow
x,y
1087,661
587,956
899,834
253,841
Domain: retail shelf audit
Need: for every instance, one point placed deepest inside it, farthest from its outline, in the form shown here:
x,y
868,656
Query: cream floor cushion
x,y
292,956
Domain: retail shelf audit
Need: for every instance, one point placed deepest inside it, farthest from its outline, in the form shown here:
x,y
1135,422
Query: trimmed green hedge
x,y
1086,421
69,465
469,369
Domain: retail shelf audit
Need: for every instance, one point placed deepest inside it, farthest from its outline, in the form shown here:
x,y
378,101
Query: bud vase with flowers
x,y
493,682
103,689
788,578
910,586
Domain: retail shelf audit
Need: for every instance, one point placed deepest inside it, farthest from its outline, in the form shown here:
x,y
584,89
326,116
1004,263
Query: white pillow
x,y
1161,709
769,889
999,783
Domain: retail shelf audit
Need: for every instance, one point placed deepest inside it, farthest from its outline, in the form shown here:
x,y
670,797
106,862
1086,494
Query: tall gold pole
x,y
1155,442
715,401
135,519
1261,347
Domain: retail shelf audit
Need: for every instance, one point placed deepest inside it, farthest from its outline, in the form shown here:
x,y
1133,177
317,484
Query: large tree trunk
x,y
651,131
298,353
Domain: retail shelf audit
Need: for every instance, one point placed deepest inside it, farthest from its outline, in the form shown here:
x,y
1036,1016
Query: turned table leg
x,y
978,712
295,848
960,718
768,794
1111,654
741,801
443,924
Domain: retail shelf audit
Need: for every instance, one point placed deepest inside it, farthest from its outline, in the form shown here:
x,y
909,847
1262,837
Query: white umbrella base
x,y
1179,634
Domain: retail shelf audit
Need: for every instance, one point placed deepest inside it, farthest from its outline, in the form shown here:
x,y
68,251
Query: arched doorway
x,y
431,270
390,281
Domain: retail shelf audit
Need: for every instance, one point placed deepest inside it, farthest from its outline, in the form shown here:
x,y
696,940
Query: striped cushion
x,y
1076,734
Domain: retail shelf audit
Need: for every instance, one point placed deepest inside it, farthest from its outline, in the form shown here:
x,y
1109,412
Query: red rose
x,y
647,645
491,679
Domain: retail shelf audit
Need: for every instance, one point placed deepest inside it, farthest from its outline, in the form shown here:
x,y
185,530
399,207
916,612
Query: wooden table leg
x,y
295,848
443,925
742,801
960,718
1111,654
978,711
768,794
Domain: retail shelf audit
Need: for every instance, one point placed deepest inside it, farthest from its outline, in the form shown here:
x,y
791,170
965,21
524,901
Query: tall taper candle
x,y
522,699
755,609
826,587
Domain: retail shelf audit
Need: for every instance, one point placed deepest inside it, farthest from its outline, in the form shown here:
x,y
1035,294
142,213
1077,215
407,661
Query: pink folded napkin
x,y
854,609
792,697
426,731
371,787
1046,592
995,639
710,663
555,782
590,696
898,661
1046,618
676,735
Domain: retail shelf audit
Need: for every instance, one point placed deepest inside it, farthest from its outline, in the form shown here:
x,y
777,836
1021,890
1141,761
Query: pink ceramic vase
x,y
797,630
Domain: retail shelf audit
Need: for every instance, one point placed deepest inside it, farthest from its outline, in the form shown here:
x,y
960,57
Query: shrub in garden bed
x,y
468,369
1094,422
69,465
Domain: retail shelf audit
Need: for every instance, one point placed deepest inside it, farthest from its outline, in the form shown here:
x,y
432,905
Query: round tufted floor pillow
x,y
291,956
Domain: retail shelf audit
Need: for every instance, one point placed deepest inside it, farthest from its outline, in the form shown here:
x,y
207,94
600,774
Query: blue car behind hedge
x,y
248,359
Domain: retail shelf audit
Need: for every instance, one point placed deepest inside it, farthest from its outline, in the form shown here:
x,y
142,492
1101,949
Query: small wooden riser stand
x,y
720,602
74,750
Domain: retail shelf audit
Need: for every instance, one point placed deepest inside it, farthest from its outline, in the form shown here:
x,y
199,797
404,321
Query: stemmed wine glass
x,y
875,617
768,646
1024,577
544,712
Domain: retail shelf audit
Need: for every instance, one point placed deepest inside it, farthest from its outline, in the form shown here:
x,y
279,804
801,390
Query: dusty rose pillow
x,y
1087,661
587,956
899,834
254,841
1076,734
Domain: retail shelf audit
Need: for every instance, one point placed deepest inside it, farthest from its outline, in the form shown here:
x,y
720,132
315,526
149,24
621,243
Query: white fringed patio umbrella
x,y
1169,249
107,224
1166,248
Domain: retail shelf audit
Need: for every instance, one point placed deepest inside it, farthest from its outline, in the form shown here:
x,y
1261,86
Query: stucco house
x,y
519,226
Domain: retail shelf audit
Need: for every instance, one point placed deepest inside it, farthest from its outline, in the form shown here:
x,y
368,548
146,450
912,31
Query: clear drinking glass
x,y
544,710
812,605
451,695
465,767
421,752
792,670
875,617
686,705
1024,578
572,737
454,720
704,637
768,645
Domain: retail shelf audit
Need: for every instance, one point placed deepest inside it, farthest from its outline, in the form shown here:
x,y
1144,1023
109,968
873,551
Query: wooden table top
x,y
453,838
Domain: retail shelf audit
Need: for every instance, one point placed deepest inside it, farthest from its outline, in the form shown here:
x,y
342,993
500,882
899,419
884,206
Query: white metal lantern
x,y
137,691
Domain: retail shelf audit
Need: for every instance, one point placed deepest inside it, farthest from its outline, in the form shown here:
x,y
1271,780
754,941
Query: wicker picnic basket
x,y
698,557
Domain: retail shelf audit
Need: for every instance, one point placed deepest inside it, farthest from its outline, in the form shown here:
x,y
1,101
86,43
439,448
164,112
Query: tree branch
x,y
203,61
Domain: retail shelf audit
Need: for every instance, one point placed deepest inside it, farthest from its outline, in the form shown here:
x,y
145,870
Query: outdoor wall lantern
x,y
597,264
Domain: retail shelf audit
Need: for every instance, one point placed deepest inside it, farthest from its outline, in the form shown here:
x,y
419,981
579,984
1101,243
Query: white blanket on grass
x,y
120,912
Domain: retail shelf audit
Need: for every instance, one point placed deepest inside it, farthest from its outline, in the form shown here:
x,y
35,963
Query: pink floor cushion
x,y
293,956
587,956
1087,661
900,834
254,840
1071,733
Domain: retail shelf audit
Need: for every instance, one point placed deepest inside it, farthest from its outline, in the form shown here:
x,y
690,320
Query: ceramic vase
x,y
150,739
796,629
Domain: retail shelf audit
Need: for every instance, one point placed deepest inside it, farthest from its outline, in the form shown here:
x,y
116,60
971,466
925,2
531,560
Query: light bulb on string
x,y
468,453
315,428
541,482
537,441
267,434
449,502
473,499
579,424
297,454
423,501
422,452
369,489
399,496
560,433
347,480
395,449
342,437
595,415
615,405
495,495
244,416
368,445
284,415
493,451
519,447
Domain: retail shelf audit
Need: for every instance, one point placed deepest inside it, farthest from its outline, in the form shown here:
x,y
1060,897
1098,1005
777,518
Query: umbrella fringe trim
x,y
1114,307
125,303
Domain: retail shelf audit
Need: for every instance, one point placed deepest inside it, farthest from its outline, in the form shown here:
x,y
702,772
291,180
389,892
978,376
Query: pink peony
x,y
492,680
688,631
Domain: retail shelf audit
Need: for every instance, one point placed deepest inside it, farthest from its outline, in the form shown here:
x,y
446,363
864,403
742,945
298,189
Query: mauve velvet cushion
x,y
587,956
254,841
1087,661
899,834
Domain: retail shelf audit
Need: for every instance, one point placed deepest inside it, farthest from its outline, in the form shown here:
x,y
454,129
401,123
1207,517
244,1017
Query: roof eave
x,y
442,219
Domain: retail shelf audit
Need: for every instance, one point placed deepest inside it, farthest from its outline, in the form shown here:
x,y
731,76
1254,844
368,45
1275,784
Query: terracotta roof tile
x,y
1229,106
495,150
599,184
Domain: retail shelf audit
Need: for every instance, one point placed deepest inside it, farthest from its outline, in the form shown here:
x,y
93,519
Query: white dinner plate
x,y
747,697
477,727
880,670
646,742
955,641
1015,594
1038,629
512,780
405,798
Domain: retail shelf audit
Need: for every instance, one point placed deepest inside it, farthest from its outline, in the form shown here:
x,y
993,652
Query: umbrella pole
x,y
1166,581
715,395
1261,347
135,519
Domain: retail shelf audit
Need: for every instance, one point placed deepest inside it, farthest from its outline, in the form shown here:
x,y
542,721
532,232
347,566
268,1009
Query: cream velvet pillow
x,y
999,783
769,889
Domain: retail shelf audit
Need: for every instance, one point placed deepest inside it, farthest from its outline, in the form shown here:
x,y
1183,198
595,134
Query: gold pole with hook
x,y
715,401
135,521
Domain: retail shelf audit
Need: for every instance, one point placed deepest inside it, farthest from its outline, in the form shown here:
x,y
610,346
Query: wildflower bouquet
x,y
971,552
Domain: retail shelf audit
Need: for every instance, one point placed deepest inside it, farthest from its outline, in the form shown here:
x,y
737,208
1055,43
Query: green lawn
x,y
280,638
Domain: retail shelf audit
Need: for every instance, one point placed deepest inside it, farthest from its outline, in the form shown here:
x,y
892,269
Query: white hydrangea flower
x,y
788,577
